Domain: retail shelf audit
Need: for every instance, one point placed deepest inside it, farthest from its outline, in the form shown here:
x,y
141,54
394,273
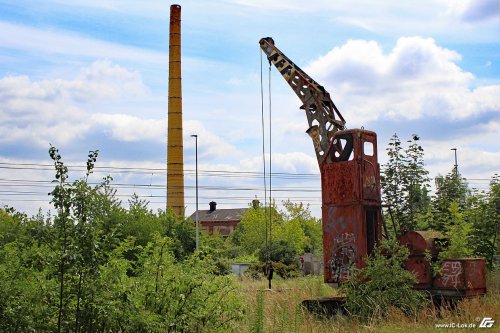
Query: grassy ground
x,y
279,311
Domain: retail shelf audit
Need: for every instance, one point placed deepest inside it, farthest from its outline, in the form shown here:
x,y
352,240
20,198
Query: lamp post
x,y
456,164
195,136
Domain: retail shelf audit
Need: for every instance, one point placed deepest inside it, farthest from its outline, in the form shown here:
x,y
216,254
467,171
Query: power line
x,y
239,202
26,190
49,184
162,171
257,174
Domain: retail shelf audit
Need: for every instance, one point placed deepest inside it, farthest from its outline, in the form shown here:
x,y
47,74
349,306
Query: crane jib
x,y
321,112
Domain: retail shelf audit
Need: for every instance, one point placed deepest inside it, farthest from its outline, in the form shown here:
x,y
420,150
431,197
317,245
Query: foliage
x,y
405,182
416,181
286,271
468,217
390,177
458,232
484,216
383,284
450,189
278,251
180,297
256,271
246,258
311,226
97,267
258,322
292,231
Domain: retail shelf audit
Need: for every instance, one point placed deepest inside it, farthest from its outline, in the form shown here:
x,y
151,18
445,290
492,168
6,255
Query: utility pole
x,y
195,136
456,164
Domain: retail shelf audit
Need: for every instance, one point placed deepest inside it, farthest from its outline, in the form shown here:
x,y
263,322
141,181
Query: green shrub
x,y
279,251
256,271
383,284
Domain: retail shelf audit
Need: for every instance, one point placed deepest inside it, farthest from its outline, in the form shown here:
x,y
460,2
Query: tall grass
x,y
279,311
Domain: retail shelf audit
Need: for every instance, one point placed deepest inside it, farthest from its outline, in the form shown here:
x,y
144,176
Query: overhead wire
x,y
214,173
162,171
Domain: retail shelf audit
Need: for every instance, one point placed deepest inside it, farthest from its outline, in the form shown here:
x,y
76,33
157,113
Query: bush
x,y
279,251
256,271
383,284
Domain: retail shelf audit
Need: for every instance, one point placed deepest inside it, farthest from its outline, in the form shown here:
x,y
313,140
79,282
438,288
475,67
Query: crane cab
x,y
351,200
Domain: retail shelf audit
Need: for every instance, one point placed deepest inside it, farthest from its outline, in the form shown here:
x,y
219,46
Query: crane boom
x,y
322,115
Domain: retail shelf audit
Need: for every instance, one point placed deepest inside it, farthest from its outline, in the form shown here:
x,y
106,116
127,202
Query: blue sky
x,y
85,75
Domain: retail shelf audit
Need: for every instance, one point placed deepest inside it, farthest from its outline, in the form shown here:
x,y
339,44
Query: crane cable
x,y
269,270
263,149
270,164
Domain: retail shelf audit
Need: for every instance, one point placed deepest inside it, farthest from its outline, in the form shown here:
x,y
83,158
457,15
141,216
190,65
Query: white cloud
x,y
416,79
291,162
60,111
39,112
210,145
130,128
491,127
474,10
472,162
104,79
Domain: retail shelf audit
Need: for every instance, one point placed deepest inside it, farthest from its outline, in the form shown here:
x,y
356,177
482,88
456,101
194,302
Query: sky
x,y
93,75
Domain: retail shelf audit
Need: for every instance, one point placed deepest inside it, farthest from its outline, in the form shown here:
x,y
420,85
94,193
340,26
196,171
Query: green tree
x,y
415,183
458,232
251,232
451,188
61,195
310,226
11,225
484,216
279,251
180,230
77,242
180,297
405,182
294,226
391,179
98,267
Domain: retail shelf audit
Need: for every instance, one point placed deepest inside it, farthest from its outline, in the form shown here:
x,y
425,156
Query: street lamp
x,y
456,164
195,136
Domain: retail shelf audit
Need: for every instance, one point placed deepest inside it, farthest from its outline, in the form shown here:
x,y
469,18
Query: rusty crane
x,y
351,196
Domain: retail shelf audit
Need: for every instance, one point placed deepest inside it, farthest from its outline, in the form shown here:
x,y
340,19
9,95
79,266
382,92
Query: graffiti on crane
x,y
334,226
450,273
343,257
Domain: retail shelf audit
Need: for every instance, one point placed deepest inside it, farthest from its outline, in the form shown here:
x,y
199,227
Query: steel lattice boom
x,y
322,115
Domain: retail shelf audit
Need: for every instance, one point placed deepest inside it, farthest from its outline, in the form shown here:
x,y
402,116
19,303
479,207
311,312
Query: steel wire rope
x,y
270,163
263,149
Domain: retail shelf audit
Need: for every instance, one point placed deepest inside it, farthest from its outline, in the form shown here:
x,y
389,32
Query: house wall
x,y
224,228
